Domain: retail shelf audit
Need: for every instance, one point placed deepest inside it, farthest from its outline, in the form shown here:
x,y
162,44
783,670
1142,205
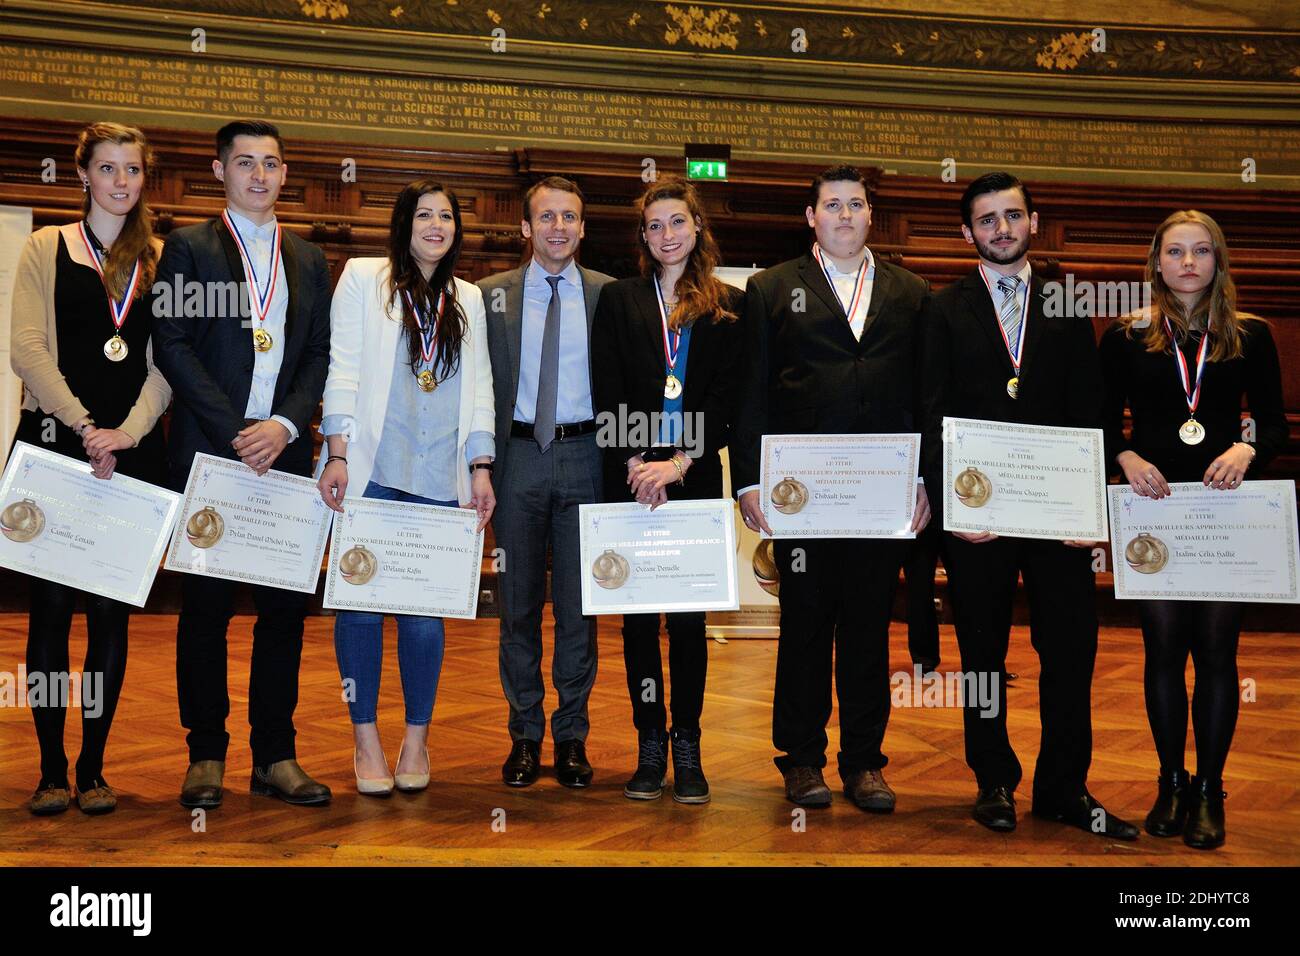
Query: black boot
x,y
1169,813
1204,829
689,785
651,767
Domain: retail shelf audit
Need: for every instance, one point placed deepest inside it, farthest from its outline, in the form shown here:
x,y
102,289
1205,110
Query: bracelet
x,y
681,475
484,465
86,424
336,458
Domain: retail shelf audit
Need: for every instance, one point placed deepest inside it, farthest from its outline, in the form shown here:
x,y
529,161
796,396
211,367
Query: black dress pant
x,y
206,609
922,619
1060,585
688,662
836,596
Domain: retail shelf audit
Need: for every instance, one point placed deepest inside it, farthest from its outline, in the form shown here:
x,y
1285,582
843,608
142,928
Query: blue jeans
x,y
359,647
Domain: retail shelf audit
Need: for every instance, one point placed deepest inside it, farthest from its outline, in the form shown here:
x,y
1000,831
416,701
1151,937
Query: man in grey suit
x,y
548,463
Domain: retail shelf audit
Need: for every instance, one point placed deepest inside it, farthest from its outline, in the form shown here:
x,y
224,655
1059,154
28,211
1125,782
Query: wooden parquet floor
x,y
748,823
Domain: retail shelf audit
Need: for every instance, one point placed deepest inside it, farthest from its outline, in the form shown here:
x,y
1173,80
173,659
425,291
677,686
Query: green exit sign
x,y
706,169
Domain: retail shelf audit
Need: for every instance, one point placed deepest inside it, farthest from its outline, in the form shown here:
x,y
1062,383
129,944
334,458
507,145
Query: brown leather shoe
x,y
50,800
98,799
202,787
288,781
868,790
806,787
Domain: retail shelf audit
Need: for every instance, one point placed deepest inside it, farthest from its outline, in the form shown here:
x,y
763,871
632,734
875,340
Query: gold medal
x,y
262,340
1191,432
22,521
611,570
427,382
789,496
672,387
358,565
115,349
973,488
205,528
1146,554
1013,386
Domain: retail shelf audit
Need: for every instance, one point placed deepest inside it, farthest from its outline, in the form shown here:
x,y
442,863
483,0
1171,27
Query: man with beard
x,y
990,353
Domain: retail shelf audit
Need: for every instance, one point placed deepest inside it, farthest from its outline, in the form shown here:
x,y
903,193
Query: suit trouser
x,y
537,504
922,619
1060,586
201,688
836,596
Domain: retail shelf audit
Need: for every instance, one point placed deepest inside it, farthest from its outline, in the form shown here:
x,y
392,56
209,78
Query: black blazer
x,y
208,359
804,371
627,352
966,368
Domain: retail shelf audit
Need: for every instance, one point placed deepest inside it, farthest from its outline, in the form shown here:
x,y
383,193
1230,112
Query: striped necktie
x,y
1009,311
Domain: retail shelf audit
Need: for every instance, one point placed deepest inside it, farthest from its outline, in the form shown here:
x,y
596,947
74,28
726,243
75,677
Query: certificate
x,y
397,557
60,523
269,529
839,486
679,557
1203,544
1024,481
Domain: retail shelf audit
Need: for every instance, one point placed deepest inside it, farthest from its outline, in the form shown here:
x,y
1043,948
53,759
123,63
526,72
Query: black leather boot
x,y
1169,813
1204,829
689,784
651,767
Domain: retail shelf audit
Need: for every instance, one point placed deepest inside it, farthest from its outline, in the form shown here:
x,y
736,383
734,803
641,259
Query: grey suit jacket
x,y
503,298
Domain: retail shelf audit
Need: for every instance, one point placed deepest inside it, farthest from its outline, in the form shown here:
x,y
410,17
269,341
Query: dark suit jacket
x,y
208,359
503,298
966,368
627,350
805,373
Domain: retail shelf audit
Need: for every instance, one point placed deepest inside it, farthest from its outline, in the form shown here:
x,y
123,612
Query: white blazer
x,y
364,329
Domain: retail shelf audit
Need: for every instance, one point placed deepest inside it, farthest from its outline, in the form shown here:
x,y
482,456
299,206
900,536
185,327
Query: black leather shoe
x,y
571,767
996,809
523,765
689,782
1205,825
647,782
1086,813
1169,813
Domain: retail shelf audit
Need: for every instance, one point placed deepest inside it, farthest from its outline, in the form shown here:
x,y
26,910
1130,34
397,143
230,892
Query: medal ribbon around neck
x,y
261,303
859,283
1019,350
116,310
428,329
1190,391
670,350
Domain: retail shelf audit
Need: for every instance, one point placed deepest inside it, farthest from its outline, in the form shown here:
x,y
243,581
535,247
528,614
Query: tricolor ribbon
x,y
260,301
670,350
1019,350
428,330
116,310
1192,392
859,283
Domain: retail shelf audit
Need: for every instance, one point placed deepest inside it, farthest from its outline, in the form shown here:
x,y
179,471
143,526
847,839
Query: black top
x,y
107,389
1149,384
627,355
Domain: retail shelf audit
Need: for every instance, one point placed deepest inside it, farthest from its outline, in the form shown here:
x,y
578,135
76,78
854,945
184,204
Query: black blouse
x,y
1148,383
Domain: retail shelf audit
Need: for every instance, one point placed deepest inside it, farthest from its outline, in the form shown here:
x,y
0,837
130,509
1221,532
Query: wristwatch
x,y
485,465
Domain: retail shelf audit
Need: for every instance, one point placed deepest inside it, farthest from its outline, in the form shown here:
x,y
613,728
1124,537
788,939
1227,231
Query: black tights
x,y
1209,630
47,654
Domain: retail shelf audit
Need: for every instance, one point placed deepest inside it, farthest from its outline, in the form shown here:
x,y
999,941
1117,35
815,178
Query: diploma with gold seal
x,y
399,557
839,486
264,529
1207,544
61,523
679,557
1024,481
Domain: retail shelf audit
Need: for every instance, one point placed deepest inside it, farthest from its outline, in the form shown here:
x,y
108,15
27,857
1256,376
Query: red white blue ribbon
x,y
117,311
428,329
1192,391
1019,350
670,350
260,300
859,283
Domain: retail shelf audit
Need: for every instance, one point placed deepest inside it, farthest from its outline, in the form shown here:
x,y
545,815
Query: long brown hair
x,y
135,241
405,279
699,291
1216,310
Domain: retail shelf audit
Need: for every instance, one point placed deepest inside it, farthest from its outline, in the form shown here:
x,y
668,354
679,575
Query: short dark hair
x,y
993,182
226,135
836,174
559,183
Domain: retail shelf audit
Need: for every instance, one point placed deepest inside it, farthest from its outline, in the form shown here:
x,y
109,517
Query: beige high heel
x,y
411,782
371,786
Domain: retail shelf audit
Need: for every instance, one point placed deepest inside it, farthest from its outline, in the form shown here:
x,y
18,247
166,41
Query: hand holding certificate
x,y
59,523
679,557
397,557
1203,544
839,486
1025,481
265,529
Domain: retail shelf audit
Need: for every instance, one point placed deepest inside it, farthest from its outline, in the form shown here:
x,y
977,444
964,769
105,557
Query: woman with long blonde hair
x,y
1183,367
81,343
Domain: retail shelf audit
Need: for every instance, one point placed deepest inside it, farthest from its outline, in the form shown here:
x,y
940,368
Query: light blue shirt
x,y
417,446
573,398
259,243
